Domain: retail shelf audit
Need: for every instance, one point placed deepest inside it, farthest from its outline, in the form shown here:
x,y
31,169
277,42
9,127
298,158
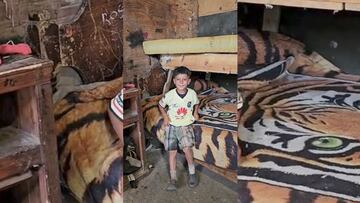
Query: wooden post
x,y
168,82
271,19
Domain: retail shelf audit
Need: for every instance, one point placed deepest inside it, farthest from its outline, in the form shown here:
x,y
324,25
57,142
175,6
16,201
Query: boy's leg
x,y
170,143
172,164
186,143
190,159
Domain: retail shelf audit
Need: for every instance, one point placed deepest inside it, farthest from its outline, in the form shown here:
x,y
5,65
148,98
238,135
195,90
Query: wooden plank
x,y
352,6
214,63
329,5
22,65
130,117
218,24
228,174
28,110
18,152
21,77
168,81
216,44
216,6
48,142
30,190
339,1
15,179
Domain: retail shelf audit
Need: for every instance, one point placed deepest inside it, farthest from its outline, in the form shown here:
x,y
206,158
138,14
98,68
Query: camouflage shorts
x,y
178,135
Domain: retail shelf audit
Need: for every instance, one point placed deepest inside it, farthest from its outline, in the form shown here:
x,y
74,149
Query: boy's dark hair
x,y
181,70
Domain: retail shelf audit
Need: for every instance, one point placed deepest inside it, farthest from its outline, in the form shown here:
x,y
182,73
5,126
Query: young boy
x,y
182,111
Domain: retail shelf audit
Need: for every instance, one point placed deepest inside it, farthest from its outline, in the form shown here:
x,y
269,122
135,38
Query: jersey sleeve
x,y
116,105
164,101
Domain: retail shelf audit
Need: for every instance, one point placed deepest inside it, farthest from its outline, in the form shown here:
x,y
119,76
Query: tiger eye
x,y
327,143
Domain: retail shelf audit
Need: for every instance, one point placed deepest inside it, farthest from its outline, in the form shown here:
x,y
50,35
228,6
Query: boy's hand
x,y
196,116
166,122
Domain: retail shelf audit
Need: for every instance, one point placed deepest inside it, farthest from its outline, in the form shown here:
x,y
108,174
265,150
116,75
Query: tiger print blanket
x,y
90,154
215,132
297,134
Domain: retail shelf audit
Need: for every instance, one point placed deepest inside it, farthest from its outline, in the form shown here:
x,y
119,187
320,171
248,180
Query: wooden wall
x,y
217,18
14,15
93,41
153,19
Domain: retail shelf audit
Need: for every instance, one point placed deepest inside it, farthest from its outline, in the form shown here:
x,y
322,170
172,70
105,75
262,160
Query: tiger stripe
x,y
90,155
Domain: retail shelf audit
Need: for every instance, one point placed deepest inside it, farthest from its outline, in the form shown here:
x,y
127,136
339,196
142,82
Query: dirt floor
x,y
211,188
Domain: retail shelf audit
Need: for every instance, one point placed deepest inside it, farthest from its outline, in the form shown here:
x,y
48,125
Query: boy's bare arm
x,y
196,112
165,116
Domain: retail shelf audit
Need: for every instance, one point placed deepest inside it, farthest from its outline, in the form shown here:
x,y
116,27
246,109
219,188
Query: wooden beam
x,y
228,174
216,6
352,6
216,44
329,5
214,63
271,19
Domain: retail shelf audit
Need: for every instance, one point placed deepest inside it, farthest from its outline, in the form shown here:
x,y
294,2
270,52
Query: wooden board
x,y
15,179
153,19
329,5
215,44
218,24
216,6
49,142
19,151
352,6
24,73
214,63
228,174
93,42
14,15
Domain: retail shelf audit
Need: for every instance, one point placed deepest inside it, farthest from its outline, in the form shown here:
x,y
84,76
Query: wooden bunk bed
x,y
197,54
215,136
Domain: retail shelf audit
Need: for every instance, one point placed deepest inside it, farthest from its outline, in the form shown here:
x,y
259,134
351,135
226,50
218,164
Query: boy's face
x,y
181,81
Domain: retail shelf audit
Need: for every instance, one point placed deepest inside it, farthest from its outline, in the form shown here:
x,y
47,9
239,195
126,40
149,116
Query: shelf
x,y
133,118
28,151
18,152
131,93
14,180
130,117
24,73
23,65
